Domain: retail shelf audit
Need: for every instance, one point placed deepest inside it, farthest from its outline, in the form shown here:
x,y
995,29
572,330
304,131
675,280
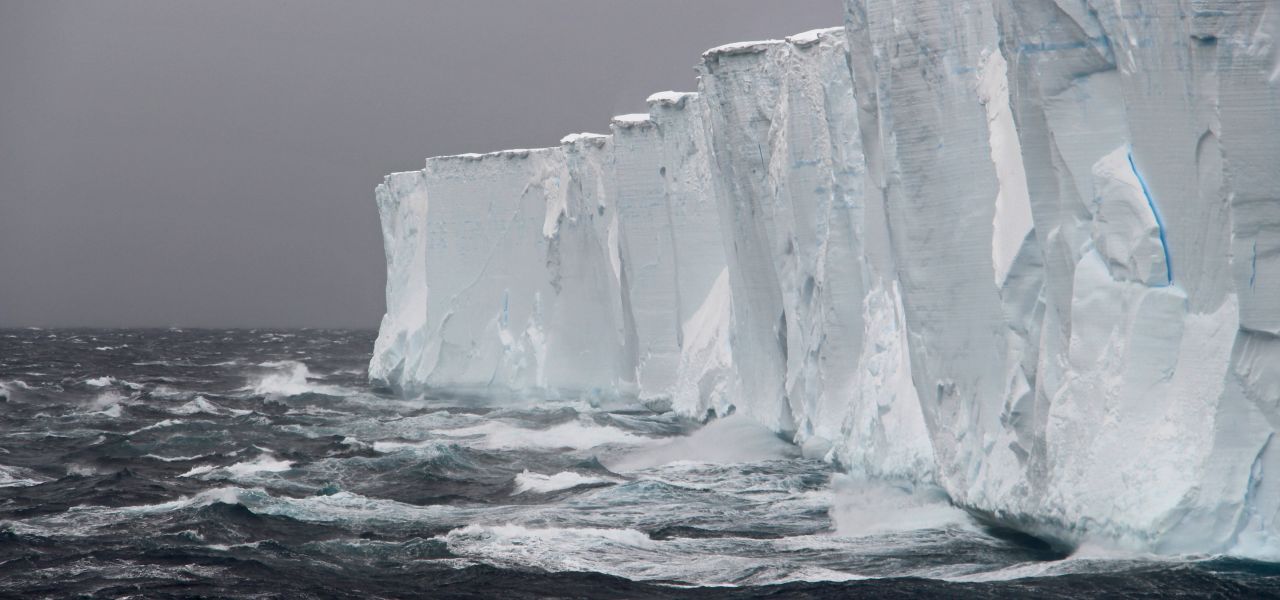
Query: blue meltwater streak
x,y
1253,275
1164,243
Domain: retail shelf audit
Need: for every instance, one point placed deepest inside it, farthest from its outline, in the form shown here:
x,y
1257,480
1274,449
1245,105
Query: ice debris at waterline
x,y
1026,250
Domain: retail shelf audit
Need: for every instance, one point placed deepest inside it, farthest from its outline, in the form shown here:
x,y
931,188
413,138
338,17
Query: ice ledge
x,y
514,153
595,139
742,48
631,120
671,99
813,36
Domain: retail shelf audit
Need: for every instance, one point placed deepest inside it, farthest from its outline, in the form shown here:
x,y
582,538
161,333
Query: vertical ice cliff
x,y
810,270
1142,185
1025,250
514,256
1099,388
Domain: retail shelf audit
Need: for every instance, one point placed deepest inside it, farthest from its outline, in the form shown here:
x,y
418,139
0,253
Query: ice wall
x,y
507,275
1098,388
1025,250
810,269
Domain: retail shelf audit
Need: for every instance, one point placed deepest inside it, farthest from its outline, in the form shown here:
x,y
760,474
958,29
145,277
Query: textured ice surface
x,y
1025,250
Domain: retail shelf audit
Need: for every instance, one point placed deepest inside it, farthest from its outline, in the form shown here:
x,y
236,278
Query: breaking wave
x,y
290,378
538,483
269,475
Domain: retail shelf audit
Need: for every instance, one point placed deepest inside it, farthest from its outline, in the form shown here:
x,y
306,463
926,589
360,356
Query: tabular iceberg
x,y
1025,250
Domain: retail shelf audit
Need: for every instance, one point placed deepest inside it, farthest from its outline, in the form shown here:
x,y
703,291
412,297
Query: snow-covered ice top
x,y
741,48
472,156
590,138
631,120
670,98
813,36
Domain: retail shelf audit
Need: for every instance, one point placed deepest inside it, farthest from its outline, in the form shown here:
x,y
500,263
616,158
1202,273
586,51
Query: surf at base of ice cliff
x,y
1025,250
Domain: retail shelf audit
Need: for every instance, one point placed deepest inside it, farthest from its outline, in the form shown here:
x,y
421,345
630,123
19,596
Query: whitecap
x,y
161,424
431,447
290,378
576,435
107,380
264,463
556,548
538,483
20,477
114,411
222,495
354,442
203,405
174,458
630,553
349,507
316,411
7,388
108,404
734,439
197,471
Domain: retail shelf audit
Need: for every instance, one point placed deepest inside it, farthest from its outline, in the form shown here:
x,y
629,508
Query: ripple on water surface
x,y
241,462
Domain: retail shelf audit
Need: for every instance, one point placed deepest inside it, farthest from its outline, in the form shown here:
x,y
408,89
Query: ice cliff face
x,y
1026,250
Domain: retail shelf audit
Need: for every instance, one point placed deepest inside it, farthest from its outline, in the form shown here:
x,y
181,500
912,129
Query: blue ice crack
x,y
1164,242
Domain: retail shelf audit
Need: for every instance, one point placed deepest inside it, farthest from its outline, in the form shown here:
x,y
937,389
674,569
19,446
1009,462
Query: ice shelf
x,y
1024,250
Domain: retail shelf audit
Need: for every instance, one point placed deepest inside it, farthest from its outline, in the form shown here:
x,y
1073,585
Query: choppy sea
x,y
262,464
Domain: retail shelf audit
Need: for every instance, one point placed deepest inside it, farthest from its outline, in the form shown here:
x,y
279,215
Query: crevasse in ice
x,y
1025,250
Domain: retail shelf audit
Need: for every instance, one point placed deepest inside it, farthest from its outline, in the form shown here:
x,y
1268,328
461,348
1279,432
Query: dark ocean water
x,y
261,464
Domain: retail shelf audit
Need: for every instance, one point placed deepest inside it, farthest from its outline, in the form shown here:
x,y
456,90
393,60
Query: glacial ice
x,y
1027,251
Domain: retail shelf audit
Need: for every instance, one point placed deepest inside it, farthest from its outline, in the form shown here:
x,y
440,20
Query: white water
x,y
538,483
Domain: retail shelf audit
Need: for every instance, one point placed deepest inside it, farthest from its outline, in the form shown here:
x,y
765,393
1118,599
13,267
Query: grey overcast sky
x,y
170,162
